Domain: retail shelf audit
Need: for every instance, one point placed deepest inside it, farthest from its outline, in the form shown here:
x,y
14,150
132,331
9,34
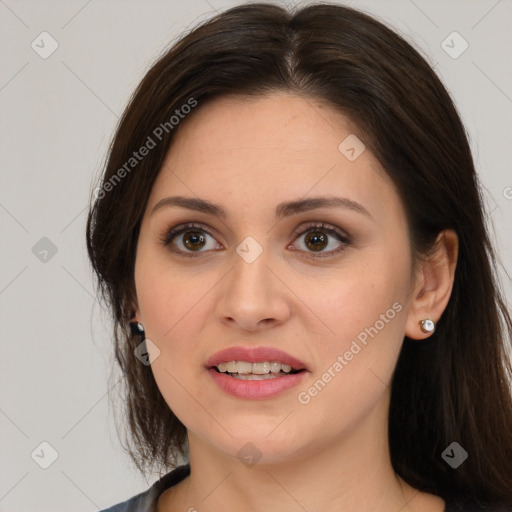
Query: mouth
x,y
245,370
255,372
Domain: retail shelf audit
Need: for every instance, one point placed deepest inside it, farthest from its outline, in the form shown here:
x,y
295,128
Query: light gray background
x,y
57,117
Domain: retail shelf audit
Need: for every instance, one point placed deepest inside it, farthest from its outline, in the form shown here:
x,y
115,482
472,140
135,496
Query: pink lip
x,y
254,355
255,389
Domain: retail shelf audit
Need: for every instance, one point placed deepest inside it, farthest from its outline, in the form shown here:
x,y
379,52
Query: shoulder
x,y
459,503
139,502
146,501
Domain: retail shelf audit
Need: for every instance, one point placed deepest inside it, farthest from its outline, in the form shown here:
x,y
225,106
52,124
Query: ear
x,y
134,310
135,315
433,284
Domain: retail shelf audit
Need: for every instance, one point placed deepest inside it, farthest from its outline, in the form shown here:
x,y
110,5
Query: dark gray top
x,y
147,500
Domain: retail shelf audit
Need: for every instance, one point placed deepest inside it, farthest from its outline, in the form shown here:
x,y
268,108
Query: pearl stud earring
x,y
427,325
137,328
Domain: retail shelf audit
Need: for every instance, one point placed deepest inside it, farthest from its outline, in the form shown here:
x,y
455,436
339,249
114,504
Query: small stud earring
x,y
137,328
428,325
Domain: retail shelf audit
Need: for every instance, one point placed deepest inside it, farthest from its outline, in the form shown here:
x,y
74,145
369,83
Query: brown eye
x,y
319,237
189,240
193,240
316,240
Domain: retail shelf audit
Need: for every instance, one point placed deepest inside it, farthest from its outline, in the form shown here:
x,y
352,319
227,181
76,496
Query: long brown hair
x,y
454,388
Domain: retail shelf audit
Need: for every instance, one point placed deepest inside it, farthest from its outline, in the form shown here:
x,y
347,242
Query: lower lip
x,y
255,389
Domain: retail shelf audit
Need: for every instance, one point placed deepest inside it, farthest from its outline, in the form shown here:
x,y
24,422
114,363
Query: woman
x,y
290,236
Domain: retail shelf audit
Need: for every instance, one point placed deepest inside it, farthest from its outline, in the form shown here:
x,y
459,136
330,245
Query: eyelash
x,y
169,235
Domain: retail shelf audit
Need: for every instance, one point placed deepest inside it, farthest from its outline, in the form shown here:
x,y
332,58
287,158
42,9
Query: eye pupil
x,y
192,238
318,239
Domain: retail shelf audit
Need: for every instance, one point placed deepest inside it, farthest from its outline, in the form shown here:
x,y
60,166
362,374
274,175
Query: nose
x,y
252,297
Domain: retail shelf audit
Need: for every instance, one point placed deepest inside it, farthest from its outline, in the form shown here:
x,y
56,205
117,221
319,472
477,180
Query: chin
x,y
258,447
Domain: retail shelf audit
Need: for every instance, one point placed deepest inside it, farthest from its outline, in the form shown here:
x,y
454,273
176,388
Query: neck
x,y
353,474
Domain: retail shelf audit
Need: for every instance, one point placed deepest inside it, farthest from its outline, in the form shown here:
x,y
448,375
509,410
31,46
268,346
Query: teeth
x,y
243,367
231,367
246,368
255,377
260,368
275,367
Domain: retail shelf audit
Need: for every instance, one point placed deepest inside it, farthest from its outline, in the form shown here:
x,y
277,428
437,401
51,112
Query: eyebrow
x,y
282,210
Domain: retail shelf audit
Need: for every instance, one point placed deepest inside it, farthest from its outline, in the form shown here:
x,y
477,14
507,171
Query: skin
x,y
249,155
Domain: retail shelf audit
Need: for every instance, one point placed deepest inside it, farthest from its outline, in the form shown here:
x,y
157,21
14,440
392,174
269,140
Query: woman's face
x,y
335,297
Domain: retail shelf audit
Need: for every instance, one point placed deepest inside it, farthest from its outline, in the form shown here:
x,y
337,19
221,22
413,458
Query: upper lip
x,y
254,355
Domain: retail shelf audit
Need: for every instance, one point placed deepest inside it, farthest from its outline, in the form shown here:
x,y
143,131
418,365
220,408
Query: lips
x,y
254,355
259,386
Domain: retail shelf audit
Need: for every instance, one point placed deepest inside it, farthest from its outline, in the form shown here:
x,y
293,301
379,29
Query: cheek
x,y
176,306
364,310
354,366
175,310
358,297
169,296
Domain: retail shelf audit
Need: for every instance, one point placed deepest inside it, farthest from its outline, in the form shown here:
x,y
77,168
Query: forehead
x,y
269,149
273,122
